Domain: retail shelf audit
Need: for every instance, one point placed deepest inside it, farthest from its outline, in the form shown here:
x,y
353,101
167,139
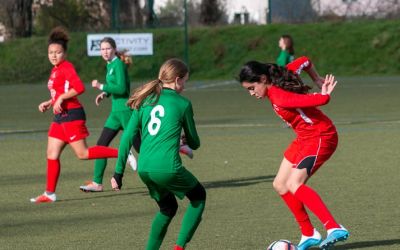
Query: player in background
x,y
117,85
160,113
68,126
286,55
316,140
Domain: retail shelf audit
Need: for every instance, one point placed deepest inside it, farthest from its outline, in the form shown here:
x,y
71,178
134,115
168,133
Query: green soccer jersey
x,y
160,124
117,84
284,58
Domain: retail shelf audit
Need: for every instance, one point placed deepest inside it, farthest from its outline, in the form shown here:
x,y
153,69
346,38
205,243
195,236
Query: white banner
x,y
134,43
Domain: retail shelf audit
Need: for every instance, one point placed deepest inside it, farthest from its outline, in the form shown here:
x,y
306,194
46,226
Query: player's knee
x,y
82,154
198,193
279,186
292,185
168,206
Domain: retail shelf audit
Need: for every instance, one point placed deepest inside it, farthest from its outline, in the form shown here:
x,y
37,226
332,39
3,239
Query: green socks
x,y
190,222
99,167
158,231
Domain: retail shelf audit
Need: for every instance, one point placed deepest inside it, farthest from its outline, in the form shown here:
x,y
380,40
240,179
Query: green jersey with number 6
x,y
160,124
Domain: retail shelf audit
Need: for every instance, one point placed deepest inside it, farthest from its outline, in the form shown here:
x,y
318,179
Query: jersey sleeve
x,y
189,127
300,64
74,81
286,99
118,86
131,131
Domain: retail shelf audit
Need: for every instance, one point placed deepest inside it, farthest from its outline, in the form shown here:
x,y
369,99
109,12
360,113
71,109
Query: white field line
x,y
221,125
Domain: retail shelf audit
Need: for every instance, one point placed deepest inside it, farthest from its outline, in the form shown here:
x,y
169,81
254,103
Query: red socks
x,y
98,152
313,201
53,172
299,213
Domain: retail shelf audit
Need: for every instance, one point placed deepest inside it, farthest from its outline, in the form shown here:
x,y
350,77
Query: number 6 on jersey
x,y
155,122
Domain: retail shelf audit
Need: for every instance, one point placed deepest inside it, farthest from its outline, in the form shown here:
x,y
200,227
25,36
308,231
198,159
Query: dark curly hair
x,y
276,75
59,36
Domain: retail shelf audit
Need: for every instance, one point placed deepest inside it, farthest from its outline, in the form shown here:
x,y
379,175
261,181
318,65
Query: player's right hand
x,y
44,106
99,98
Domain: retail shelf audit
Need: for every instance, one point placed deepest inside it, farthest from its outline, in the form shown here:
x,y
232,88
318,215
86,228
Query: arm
x,y
57,104
189,127
126,142
286,99
118,86
304,63
44,106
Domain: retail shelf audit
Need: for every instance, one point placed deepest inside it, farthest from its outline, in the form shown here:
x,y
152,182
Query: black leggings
x,y
168,205
107,135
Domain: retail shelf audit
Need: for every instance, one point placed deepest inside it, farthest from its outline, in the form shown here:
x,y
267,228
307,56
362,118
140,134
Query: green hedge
x,y
344,48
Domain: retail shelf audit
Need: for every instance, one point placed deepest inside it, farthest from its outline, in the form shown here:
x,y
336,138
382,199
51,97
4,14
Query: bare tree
x,y
16,15
211,12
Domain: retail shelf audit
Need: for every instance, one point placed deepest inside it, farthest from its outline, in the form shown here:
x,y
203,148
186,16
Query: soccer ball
x,y
282,245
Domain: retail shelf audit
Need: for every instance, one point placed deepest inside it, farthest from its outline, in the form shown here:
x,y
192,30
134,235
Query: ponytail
x,y
285,79
169,71
152,89
124,57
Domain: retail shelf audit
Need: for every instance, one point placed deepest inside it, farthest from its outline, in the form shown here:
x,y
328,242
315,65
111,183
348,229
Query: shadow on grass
x,y
366,244
238,182
110,193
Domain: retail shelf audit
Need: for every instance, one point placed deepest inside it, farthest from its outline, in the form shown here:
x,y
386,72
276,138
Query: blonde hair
x,y
169,71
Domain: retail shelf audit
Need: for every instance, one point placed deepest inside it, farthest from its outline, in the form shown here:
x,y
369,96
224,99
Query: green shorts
x,y
160,184
118,120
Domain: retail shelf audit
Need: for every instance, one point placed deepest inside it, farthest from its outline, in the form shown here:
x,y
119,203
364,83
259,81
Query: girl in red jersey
x,y
68,126
316,140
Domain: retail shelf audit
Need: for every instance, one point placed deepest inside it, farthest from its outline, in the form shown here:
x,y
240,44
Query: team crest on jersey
x,y
111,71
53,75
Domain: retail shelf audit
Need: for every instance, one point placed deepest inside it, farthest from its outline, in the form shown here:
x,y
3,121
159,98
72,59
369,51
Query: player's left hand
x,y
329,85
116,182
57,105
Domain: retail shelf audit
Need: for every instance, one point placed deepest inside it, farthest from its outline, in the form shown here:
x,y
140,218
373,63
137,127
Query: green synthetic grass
x,y
242,145
367,47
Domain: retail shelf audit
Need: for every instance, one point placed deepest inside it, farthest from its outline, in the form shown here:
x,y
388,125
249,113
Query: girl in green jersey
x,y
160,113
286,55
117,87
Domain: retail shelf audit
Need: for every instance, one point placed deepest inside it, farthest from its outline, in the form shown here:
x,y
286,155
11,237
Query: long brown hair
x,y
169,71
276,75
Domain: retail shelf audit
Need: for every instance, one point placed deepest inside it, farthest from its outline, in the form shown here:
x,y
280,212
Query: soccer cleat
x,y
176,247
334,235
186,150
132,161
92,187
308,241
44,198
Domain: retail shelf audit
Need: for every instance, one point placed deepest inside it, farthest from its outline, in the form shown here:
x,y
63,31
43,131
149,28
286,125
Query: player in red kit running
x,y
315,143
68,126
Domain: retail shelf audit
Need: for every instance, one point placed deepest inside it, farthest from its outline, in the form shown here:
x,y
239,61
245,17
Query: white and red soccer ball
x,y
282,245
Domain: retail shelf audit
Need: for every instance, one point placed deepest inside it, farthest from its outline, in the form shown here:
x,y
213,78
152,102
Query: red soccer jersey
x,y
63,77
300,110
301,113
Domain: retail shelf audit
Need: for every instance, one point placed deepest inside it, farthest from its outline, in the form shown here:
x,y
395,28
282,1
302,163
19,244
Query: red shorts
x,y
69,131
311,153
